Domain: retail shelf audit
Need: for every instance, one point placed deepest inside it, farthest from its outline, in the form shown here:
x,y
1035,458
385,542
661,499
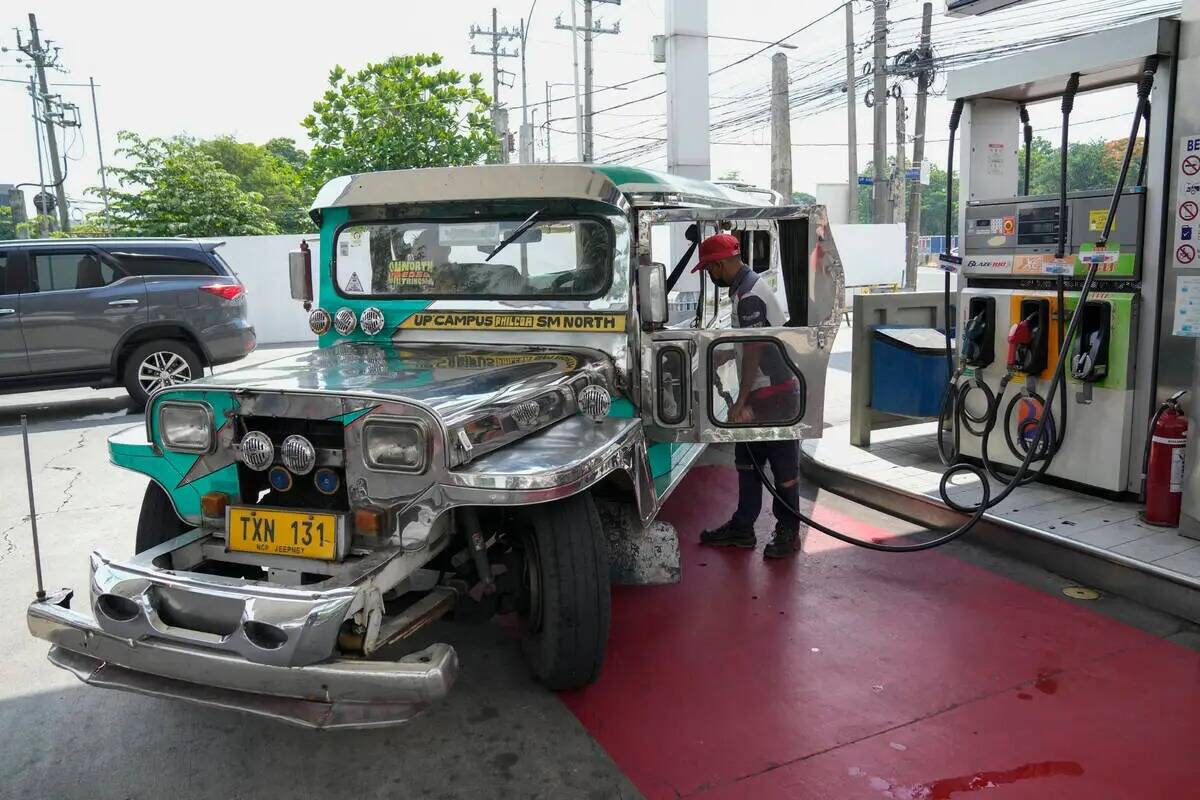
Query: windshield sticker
x,y
354,285
403,274
476,320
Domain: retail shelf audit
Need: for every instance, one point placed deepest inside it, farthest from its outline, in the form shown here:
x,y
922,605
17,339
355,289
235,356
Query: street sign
x,y
913,174
863,180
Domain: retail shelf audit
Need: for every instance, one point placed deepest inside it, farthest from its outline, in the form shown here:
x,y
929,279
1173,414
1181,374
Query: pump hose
x,y
986,500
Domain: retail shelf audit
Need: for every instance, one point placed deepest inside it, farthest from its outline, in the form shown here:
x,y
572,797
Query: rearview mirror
x,y
300,274
652,294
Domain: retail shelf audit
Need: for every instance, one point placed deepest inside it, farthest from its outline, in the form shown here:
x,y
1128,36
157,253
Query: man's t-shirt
x,y
755,306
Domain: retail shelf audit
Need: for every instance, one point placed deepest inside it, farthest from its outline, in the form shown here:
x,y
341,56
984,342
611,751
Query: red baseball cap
x,y
717,247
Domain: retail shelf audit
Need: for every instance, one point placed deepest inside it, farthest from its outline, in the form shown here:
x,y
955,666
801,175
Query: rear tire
x,y
158,521
162,362
565,606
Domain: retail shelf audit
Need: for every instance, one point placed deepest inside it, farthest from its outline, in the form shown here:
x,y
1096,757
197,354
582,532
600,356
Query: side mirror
x,y
652,294
300,274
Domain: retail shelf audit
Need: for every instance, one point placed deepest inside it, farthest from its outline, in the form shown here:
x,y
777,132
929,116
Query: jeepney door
x,y
691,373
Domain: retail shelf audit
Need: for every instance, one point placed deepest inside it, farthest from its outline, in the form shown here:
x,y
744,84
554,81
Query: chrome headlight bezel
x,y
204,414
377,425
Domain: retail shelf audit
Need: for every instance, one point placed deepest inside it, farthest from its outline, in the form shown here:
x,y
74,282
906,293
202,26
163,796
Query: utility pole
x,y
590,29
100,153
549,159
914,189
42,57
851,121
781,128
499,113
879,94
899,172
37,140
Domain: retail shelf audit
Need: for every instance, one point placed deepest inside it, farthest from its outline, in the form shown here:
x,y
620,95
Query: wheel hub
x,y
162,368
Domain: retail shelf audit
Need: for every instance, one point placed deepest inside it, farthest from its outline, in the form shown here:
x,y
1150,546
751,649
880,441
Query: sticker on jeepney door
x,y
406,274
354,285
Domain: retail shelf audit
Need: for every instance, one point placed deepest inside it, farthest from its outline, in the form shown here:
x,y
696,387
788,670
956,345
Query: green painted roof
x,y
636,180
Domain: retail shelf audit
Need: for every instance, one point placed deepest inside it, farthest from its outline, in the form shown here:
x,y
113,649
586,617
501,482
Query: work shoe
x,y
783,544
730,535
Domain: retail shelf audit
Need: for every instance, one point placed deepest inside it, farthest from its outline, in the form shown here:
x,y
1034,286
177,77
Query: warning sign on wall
x,y
1187,193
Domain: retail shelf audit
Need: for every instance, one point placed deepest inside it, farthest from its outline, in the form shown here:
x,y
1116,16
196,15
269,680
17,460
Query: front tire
x,y
565,606
162,362
158,521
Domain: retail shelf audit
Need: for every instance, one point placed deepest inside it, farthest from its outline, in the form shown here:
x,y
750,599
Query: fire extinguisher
x,y
1163,463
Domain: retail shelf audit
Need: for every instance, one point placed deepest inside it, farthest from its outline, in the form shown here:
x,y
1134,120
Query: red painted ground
x,y
852,674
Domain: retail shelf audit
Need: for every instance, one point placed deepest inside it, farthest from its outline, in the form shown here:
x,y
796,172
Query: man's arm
x,y
752,313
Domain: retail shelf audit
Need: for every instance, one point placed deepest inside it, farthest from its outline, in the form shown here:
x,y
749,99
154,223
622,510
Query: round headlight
x,y
257,450
371,321
594,401
298,454
319,321
344,321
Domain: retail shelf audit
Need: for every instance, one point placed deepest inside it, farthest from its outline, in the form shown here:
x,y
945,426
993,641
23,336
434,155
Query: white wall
x,y
871,254
261,262
836,200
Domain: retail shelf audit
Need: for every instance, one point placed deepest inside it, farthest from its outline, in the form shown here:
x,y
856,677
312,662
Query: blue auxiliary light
x,y
280,479
326,480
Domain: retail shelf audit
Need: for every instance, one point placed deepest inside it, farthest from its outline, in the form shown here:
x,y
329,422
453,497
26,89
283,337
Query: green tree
x,y
286,150
405,112
1094,164
272,177
174,188
803,198
8,229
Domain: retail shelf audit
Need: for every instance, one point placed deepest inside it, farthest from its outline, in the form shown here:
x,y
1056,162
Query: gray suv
x,y
142,313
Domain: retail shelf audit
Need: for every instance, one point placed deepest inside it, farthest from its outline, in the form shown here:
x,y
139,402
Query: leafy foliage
x,y
803,198
172,187
405,112
275,178
8,229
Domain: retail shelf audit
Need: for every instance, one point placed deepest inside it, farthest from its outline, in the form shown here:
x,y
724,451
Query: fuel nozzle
x,y
1020,337
975,333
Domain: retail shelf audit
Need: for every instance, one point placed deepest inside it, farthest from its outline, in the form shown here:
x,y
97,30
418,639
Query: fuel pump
x,y
1042,431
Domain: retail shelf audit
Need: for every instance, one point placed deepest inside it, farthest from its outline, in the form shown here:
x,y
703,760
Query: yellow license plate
x,y
282,533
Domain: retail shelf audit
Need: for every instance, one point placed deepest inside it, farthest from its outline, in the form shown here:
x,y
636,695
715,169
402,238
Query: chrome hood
x,y
459,384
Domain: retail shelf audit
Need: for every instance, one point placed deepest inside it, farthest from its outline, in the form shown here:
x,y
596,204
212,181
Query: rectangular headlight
x,y
394,446
186,427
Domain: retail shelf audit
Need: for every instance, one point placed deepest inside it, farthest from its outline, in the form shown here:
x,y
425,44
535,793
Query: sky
x,y
253,69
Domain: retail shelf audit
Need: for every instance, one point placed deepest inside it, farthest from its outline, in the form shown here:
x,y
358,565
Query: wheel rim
x,y
162,368
531,584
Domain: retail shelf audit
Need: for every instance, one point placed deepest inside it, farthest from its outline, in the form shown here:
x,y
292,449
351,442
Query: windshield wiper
x,y
516,234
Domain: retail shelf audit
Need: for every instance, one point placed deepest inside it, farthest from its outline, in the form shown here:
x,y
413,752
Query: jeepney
x,y
508,385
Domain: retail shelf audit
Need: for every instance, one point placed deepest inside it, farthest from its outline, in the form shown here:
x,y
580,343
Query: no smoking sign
x,y
1186,254
1188,210
1191,165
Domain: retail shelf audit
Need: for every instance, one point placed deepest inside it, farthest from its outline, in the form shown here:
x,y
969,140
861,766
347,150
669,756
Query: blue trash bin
x,y
908,370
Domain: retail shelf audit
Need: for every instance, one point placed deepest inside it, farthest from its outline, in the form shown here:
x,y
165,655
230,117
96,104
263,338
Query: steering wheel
x,y
562,280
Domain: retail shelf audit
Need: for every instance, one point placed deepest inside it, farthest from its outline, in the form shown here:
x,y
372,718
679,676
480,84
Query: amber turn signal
x,y
368,521
214,504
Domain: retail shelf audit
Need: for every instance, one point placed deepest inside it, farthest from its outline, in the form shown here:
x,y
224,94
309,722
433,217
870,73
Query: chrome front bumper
x,y
340,693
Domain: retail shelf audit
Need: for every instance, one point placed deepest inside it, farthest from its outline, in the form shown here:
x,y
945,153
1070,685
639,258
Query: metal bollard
x,y
37,553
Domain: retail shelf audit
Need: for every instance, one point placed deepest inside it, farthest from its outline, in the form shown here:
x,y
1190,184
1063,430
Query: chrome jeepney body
x,y
544,384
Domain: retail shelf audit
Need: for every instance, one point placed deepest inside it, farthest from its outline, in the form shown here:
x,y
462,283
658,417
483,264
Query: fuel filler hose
x,y
987,501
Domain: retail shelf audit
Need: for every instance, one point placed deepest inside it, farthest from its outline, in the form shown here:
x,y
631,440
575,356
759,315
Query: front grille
x,y
255,487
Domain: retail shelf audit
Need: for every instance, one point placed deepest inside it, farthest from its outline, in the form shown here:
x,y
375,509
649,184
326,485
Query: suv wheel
x,y
162,362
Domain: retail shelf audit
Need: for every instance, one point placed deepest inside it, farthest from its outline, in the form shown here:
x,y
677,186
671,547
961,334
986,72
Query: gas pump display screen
x,y
1037,226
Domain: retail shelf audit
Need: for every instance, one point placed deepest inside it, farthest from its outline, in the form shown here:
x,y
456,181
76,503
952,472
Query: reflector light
x,y
213,504
368,521
280,479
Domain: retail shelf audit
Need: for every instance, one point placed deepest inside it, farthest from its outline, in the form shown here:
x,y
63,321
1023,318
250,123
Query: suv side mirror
x,y
300,274
652,294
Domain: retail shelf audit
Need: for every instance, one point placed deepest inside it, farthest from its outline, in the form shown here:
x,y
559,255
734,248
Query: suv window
x,y
163,265
3,264
57,271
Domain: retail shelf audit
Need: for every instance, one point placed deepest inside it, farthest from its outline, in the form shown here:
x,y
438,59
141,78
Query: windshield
x,y
554,257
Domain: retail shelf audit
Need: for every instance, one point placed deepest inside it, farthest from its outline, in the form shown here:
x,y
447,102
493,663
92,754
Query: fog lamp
x,y
371,321
344,321
298,454
594,402
320,321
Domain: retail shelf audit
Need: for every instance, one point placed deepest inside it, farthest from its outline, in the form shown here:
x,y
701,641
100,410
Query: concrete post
x,y
781,128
